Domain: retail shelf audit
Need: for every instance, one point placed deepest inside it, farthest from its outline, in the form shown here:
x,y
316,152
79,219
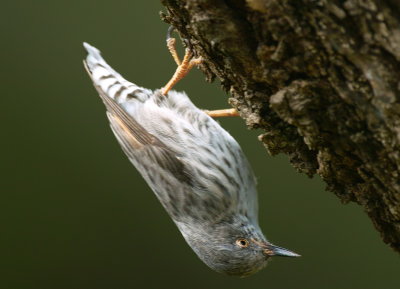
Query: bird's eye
x,y
243,243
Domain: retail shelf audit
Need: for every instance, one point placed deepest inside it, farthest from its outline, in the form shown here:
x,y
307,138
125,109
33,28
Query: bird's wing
x,y
134,139
187,170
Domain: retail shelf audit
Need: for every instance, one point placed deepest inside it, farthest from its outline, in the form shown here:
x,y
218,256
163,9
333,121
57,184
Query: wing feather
x,y
136,142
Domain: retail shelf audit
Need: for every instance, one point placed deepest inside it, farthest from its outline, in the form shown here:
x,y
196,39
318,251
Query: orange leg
x,y
222,112
171,47
183,68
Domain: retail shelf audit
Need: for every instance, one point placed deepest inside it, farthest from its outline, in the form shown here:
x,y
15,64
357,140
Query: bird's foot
x,y
183,68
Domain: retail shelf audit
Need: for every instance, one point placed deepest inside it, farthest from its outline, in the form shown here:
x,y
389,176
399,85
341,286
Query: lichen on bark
x,y
321,78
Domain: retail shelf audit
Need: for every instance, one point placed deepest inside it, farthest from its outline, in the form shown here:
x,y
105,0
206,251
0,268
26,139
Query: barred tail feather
x,y
97,65
110,81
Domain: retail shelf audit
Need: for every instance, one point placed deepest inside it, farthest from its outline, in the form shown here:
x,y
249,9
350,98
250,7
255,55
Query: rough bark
x,y
322,78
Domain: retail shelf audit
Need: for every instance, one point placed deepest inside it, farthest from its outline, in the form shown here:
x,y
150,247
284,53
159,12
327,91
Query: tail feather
x,y
108,80
97,64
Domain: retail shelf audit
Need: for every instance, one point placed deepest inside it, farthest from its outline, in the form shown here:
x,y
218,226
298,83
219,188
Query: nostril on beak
x,y
273,250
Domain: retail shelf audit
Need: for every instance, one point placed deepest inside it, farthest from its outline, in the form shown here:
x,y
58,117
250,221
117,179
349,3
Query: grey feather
x,y
196,169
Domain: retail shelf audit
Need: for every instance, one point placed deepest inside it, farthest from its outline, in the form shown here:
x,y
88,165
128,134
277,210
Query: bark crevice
x,y
321,78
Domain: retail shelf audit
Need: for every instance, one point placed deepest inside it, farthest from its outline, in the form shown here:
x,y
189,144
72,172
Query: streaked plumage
x,y
197,170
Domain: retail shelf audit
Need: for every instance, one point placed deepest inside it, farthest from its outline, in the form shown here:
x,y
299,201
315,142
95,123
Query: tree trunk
x,y
321,78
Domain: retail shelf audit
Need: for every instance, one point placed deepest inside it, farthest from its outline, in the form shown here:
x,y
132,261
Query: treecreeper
x,y
196,169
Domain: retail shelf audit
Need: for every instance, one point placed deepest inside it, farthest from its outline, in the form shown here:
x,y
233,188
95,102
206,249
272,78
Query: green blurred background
x,y
77,215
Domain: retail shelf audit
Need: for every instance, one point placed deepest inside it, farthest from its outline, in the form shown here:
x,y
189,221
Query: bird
x,y
196,168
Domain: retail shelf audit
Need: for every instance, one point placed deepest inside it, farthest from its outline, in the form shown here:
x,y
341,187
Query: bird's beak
x,y
273,250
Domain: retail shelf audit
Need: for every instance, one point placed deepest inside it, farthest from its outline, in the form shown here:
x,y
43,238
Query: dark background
x,y
76,213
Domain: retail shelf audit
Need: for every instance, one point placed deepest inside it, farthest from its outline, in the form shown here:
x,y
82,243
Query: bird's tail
x,y
107,80
96,64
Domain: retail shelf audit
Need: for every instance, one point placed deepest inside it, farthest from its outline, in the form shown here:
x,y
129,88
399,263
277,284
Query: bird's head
x,y
234,249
